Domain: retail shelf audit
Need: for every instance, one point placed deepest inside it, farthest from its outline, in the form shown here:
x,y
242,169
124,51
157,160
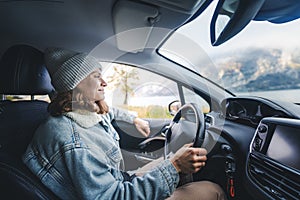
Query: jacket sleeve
x,y
95,179
119,114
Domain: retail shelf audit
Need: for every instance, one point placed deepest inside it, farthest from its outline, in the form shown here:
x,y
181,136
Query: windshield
x,y
262,60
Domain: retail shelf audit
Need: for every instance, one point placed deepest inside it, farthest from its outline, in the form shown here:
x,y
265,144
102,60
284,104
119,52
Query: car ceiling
x,y
83,24
74,24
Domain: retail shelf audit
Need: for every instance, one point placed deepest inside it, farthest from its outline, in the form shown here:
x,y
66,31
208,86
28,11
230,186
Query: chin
x,y
100,99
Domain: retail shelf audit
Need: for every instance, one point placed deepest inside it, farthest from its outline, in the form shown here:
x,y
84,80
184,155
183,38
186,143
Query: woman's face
x,y
92,87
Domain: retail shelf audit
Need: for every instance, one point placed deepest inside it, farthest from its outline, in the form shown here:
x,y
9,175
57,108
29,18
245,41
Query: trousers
x,y
199,190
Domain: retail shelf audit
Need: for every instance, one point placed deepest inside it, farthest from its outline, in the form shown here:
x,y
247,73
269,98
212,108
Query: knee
x,y
202,190
212,190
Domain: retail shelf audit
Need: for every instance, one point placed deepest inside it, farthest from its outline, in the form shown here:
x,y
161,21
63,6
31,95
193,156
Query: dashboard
x,y
250,110
264,138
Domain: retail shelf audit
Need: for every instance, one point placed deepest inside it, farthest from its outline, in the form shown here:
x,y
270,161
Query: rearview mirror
x,y
230,17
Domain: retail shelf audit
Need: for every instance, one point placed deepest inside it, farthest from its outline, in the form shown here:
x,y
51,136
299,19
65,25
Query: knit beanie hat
x,y
68,68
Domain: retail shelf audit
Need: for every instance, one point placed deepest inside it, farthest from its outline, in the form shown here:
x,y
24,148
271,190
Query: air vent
x,y
273,178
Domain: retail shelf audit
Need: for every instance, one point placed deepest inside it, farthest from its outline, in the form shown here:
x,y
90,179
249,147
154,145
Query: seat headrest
x,y
23,72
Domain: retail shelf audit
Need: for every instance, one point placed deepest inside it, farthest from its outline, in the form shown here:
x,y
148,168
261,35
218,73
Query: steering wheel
x,y
187,126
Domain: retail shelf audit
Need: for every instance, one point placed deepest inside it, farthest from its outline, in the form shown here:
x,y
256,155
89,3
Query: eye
x,y
98,76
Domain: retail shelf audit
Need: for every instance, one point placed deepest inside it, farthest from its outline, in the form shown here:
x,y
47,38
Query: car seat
x,y
22,72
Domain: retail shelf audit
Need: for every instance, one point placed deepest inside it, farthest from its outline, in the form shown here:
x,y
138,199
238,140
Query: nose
x,y
103,83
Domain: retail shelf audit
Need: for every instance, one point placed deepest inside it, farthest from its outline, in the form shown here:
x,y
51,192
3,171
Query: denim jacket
x,y
77,156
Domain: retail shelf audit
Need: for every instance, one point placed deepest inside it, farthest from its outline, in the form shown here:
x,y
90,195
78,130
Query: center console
x,y
274,158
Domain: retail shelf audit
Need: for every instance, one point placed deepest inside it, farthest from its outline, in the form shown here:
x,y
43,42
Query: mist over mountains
x,y
258,69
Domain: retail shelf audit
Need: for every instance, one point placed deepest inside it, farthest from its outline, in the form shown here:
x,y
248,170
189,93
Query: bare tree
x,y
122,78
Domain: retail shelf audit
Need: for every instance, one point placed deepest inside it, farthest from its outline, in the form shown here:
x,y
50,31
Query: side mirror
x,y
230,17
174,107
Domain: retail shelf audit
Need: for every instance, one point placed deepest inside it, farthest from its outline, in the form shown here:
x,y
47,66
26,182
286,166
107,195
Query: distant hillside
x,y
259,70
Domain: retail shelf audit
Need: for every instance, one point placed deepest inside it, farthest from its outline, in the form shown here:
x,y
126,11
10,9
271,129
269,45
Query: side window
x,y
25,97
191,97
139,91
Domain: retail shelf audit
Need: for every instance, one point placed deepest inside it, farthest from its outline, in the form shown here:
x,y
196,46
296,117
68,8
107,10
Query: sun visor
x,y
133,23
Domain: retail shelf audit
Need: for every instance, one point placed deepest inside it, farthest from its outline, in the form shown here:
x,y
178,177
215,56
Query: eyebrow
x,y
97,72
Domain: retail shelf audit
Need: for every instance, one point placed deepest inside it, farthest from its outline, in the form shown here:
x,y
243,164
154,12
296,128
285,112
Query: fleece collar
x,y
84,118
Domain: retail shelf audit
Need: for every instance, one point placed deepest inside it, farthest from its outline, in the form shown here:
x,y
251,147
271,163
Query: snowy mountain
x,y
258,70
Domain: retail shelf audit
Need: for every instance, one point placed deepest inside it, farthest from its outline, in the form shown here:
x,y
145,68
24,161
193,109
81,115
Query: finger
x,y
198,158
188,145
146,134
143,132
198,165
147,130
199,151
198,168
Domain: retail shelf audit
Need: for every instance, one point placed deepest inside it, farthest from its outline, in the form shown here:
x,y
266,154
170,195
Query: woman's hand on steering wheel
x,y
189,159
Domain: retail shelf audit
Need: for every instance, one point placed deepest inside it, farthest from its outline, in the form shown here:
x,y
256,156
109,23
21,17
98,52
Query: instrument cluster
x,y
250,110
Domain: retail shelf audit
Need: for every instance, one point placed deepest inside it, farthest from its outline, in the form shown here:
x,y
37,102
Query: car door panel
x,y
138,150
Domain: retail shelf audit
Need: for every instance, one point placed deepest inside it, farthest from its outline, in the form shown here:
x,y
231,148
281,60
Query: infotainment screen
x,y
285,146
